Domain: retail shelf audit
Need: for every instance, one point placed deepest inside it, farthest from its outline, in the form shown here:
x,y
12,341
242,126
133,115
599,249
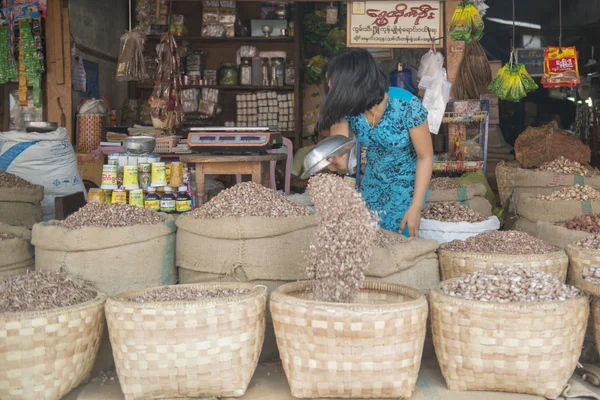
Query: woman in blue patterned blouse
x,y
392,124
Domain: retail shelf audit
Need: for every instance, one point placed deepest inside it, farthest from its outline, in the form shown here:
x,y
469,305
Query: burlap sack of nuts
x,y
558,235
16,250
471,196
535,209
114,260
20,206
523,224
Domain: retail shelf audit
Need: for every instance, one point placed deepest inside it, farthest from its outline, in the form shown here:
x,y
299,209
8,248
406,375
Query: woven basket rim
x,y
255,292
591,288
484,256
572,246
484,305
418,298
98,299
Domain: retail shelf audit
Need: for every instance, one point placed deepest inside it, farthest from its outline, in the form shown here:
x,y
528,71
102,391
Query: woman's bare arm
x,y
421,139
339,163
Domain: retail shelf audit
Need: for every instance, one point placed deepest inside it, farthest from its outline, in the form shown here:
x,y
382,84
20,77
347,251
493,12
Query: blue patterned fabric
x,y
388,184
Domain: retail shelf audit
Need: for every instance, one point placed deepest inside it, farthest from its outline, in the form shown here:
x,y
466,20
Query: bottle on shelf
x,y
152,200
257,71
167,202
266,72
245,72
183,201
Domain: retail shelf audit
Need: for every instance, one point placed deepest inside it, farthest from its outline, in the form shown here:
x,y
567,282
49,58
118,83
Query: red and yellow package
x,y
561,68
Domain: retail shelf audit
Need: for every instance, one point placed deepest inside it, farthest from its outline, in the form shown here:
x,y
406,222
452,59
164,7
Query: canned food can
x,y
96,195
113,159
159,175
119,196
107,195
109,177
130,177
136,198
145,180
145,167
176,176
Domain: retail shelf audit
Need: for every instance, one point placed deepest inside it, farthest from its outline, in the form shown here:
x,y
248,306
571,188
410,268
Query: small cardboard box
x,y
90,168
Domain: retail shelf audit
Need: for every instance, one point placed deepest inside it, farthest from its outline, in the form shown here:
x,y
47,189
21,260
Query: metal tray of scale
x,y
318,158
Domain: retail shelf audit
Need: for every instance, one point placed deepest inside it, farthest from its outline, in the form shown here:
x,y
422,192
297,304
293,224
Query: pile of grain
x,y
592,274
385,241
509,284
42,290
340,251
586,223
8,180
590,242
184,293
502,242
450,212
105,215
576,192
564,166
444,184
4,236
249,199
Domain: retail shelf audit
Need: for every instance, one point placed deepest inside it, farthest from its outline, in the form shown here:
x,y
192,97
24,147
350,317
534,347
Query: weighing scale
x,y
233,140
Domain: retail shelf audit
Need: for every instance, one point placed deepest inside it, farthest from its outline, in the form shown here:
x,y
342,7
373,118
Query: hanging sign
x,y
394,24
533,59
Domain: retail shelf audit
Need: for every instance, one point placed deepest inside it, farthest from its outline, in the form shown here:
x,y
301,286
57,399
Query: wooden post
x,y
58,72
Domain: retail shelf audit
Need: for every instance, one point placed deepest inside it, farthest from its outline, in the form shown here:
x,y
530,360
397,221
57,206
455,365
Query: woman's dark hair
x,y
357,85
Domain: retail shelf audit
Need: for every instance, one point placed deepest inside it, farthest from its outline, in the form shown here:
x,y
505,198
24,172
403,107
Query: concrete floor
x,y
269,383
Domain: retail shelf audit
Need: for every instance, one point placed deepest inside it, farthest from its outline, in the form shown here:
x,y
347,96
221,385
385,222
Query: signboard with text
x,y
533,59
394,24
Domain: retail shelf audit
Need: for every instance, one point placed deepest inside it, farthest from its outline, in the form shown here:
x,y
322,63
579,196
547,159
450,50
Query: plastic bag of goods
x,y
445,222
45,159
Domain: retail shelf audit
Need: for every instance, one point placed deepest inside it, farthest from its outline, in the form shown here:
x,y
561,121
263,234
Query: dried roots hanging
x,y
341,250
474,73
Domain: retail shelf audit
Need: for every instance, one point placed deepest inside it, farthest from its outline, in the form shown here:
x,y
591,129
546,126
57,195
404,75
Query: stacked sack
x,y
555,192
442,190
16,250
20,201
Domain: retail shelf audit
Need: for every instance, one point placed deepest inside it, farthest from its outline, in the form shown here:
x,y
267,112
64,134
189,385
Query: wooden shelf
x,y
236,88
246,39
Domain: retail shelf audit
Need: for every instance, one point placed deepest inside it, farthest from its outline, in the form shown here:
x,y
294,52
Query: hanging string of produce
x,y
166,102
474,73
512,82
8,69
31,64
561,67
131,65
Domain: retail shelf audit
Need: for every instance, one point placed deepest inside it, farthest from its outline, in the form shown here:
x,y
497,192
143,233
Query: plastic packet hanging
x,y
561,68
131,64
466,24
512,82
430,65
436,97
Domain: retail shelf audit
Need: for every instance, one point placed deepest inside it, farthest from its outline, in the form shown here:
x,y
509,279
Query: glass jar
x,y
277,71
290,73
266,72
245,72
257,71
228,74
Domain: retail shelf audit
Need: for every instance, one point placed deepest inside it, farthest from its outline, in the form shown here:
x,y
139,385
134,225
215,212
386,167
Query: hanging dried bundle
x,y
167,105
474,73
131,66
341,249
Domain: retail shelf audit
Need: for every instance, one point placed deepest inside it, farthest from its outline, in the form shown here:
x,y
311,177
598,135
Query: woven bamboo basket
x,y
596,319
507,347
187,348
368,349
505,176
456,264
580,258
45,354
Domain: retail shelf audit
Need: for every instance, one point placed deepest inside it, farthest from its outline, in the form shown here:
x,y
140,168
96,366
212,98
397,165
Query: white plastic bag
x,y
431,63
46,159
444,232
437,95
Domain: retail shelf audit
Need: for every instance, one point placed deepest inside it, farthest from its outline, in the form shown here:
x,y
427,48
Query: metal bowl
x,y
139,144
40,127
317,159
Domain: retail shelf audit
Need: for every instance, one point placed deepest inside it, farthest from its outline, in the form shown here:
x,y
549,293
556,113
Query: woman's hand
x,y
412,218
338,163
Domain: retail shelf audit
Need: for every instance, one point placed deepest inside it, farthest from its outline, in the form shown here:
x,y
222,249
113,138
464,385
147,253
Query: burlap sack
x,y
21,206
16,253
558,235
525,225
114,260
534,209
460,194
264,248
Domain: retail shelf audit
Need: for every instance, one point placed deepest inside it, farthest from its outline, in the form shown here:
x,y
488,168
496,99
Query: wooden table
x,y
258,166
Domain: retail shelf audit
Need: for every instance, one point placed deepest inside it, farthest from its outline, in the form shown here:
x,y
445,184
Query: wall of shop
x,y
96,26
